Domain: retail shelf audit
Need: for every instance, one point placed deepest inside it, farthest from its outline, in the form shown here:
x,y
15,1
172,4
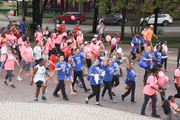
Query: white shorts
x,y
45,56
69,79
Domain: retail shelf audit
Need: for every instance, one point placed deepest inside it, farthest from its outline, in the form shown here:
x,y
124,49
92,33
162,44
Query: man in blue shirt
x,y
61,72
23,26
136,39
78,70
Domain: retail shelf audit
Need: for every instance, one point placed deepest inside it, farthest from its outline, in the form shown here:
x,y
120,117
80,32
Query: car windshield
x,y
66,14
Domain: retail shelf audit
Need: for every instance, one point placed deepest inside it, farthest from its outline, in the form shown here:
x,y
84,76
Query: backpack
x,y
166,107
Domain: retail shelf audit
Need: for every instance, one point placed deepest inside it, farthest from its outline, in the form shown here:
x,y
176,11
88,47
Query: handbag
x,y
143,63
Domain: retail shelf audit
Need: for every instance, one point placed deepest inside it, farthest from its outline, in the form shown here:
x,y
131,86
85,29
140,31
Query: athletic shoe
x,y
103,99
55,95
44,98
113,94
19,78
156,116
60,93
80,85
74,90
27,74
98,104
12,86
66,98
85,101
87,90
149,105
73,93
133,102
5,82
35,99
114,101
47,69
144,114
122,98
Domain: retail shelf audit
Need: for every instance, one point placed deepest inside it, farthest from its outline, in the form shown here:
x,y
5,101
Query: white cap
x,y
95,35
63,21
94,39
57,25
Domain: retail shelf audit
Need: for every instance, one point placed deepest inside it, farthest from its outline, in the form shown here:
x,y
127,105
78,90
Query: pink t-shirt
x,y
73,43
9,65
2,41
51,43
177,75
11,38
151,81
54,35
58,40
63,45
20,42
45,49
27,52
149,35
80,39
94,48
161,78
45,32
38,36
88,52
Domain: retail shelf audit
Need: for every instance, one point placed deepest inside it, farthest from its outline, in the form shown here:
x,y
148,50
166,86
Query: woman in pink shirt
x,y
45,52
58,40
177,81
46,32
63,45
8,62
94,47
38,35
150,92
88,55
3,39
51,43
80,37
54,34
10,37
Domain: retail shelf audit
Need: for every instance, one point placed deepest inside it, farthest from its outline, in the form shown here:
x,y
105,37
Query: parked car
x,y
163,19
79,17
115,18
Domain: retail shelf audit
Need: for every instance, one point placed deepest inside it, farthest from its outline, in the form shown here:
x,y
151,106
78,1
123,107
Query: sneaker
x,y
12,86
74,90
165,70
66,98
55,95
47,69
80,85
27,75
85,101
87,90
103,99
113,94
149,105
114,101
5,82
35,99
44,98
144,114
156,116
60,93
133,102
73,93
122,97
19,78
98,104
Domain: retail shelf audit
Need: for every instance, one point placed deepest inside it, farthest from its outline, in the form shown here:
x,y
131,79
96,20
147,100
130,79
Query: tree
x,y
96,2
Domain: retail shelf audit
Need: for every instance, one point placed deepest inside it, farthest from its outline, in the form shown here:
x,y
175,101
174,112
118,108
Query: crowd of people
x,y
69,58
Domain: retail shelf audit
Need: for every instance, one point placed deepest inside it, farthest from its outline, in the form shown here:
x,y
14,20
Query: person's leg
x,y
128,91
37,92
31,71
75,77
109,87
105,88
153,98
7,76
165,64
146,99
62,85
44,88
57,88
133,85
20,72
178,92
94,89
10,76
98,93
147,70
82,80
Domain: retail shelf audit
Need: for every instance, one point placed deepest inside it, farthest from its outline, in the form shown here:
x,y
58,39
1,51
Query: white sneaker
x,y
19,78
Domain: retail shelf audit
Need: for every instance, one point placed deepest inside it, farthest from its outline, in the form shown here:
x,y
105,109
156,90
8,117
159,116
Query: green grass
x,y
7,7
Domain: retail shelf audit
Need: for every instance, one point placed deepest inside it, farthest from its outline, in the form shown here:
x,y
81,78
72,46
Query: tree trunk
x,y
67,5
156,11
62,6
51,3
23,10
138,15
123,22
108,10
80,6
95,16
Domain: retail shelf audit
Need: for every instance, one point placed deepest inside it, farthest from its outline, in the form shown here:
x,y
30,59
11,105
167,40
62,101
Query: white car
x,y
163,19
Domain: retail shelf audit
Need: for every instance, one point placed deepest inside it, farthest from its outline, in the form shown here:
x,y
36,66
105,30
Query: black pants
x,y
96,92
9,75
50,51
58,48
178,92
133,56
107,86
80,75
147,71
132,86
164,61
115,81
146,99
61,86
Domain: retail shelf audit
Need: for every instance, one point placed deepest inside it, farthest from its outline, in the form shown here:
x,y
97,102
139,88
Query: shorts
x,y
84,70
115,81
88,61
137,50
69,79
39,83
102,35
26,66
163,94
45,56
112,48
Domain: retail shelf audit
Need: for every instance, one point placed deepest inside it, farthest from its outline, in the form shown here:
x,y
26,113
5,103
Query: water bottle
x,y
168,84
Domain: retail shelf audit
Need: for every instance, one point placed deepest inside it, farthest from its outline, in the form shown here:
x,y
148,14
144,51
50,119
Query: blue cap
x,y
8,43
165,42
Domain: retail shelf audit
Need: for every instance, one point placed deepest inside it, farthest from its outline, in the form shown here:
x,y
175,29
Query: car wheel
x,y
165,23
58,21
119,23
78,21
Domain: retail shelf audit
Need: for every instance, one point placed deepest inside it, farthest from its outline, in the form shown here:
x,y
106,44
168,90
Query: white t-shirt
x,y
3,51
101,30
37,50
40,74
165,49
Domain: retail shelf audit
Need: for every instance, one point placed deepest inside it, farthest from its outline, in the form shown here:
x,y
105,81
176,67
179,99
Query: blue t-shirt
x,y
94,70
109,72
136,40
116,65
131,74
61,73
158,56
148,55
82,53
77,61
100,60
68,69
22,26
133,49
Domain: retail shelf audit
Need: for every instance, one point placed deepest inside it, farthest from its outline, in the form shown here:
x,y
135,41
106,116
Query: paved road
x,y
169,29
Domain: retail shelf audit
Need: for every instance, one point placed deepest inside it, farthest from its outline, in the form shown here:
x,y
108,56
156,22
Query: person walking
x,y
177,81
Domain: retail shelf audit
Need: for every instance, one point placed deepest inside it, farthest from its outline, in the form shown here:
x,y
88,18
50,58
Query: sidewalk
x,y
22,110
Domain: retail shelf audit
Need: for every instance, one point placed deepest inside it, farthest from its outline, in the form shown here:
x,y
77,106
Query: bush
x,y
160,31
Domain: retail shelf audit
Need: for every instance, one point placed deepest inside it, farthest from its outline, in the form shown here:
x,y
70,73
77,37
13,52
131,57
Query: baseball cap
x,y
117,33
26,42
8,43
101,51
86,42
152,26
165,42
158,41
95,35
94,39
9,48
47,27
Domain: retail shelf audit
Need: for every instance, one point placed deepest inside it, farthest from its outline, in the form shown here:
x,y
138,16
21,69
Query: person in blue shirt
x,y
131,84
157,57
82,53
95,85
61,72
23,26
78,70
142,41
107,79
101,57
69,69
136,39
133,52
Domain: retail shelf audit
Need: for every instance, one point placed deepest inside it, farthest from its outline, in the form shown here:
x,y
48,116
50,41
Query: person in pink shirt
x,y
63,45
46,32
8,62
71,39
10,37
20,42
58,41
27,57
3,39
150,92
51,43
150,33
88,55
45,52
80,37
94,47
38,35
177,81
54,34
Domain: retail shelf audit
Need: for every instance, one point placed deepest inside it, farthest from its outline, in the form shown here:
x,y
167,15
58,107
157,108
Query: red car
x,y
79,17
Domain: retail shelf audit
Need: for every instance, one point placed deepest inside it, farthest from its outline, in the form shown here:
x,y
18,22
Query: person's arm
x,y
34,72
127,62
106,58
2,65
51,62
47,74
164,52
155,59
155,36
161,86
156,89
57,69
16,61
178,83
73,63
145,59
99,27
104,26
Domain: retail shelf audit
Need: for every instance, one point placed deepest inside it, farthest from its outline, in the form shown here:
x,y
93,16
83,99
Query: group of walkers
x,y
69,58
